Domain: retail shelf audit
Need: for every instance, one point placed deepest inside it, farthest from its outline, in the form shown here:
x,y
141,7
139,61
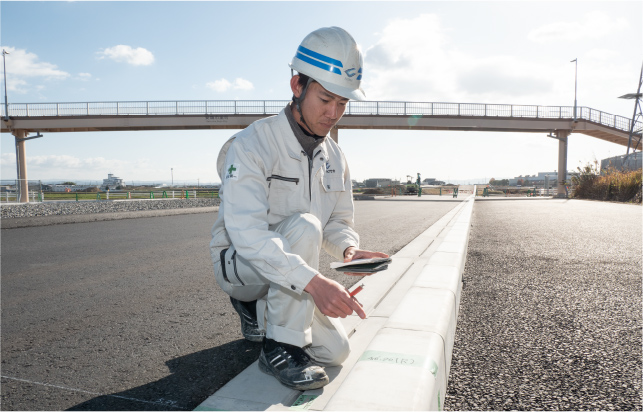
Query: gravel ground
x,y
11,211
550,316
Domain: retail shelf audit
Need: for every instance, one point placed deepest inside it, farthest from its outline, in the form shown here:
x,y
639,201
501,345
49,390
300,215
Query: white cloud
x,y
22,65
242,84
72,162
220,85
602,54
408,60
17,85
123,53
8,159
415,60
84,76
223,85
593,26
61,166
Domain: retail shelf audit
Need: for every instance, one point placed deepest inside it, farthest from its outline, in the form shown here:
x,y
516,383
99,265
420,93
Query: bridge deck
x,y
190,115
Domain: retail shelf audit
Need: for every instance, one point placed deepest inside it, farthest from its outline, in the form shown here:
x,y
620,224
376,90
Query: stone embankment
x,y
11,211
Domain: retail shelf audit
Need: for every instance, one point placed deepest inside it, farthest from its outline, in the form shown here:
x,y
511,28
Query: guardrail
x,y
270,107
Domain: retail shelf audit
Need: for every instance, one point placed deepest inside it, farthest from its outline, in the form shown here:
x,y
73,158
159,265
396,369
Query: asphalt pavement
x,y
550,313
126,314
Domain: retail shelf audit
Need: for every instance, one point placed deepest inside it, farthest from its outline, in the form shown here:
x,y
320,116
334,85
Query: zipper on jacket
x,y
310,177
295,180
310,172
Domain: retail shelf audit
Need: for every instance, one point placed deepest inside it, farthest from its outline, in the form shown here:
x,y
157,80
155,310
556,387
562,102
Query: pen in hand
x,y
357,290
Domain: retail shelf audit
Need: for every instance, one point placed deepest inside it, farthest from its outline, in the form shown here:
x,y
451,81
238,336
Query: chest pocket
x,y
332,188
333,183
285,194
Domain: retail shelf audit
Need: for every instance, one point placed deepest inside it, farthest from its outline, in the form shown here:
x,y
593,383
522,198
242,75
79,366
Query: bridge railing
x,y
269,107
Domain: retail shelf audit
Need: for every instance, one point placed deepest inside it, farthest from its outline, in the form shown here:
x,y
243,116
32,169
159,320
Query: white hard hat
x,y
330,56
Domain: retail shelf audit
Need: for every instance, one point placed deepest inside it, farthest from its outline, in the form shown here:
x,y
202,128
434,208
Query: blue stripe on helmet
x,y
319,64
321,57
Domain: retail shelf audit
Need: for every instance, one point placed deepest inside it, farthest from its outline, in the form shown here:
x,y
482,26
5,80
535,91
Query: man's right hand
x,y
333,299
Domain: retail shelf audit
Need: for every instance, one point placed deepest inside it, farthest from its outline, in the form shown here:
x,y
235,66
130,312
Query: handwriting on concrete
x,y
401,359
303,402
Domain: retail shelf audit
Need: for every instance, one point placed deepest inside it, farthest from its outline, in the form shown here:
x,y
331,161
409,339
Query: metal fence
x,y
10,190
10,193
130,195
270,107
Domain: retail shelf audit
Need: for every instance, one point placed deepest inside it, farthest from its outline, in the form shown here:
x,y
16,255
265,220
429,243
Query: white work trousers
x,y
285,315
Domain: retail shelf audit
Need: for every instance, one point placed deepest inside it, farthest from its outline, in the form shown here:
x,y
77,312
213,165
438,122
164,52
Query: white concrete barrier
x,y
406,366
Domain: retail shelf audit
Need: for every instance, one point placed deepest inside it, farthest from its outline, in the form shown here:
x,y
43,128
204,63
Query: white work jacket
x,y
266,176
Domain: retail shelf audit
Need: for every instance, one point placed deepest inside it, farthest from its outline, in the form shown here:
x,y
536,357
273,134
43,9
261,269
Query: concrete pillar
x,y
21,159
562,136
334,134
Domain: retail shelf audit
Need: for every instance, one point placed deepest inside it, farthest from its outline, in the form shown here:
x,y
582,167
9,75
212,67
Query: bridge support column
x,y
562,136
334,134
21,165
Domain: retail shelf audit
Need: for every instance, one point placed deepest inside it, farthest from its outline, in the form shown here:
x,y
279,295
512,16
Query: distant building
x,y
70,188
538,179
625,162
378,182
112,182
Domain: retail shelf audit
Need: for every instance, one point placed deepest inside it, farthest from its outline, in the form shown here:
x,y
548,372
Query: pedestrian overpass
x,y
25,119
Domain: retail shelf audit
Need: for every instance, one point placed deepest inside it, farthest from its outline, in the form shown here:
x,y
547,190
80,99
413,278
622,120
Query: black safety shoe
x,y
291,366
248,313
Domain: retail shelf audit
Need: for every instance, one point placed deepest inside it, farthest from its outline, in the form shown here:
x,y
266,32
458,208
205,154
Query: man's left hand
x,y
352,253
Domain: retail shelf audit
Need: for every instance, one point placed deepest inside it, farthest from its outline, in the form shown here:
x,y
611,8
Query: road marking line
x,y
89,392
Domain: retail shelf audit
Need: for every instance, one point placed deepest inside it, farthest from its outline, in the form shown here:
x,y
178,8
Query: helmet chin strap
x,y
300,99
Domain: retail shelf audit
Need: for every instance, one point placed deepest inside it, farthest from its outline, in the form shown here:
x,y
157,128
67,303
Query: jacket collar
x,y
293,147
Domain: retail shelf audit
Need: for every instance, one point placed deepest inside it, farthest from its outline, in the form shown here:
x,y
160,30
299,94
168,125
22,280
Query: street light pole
x,y
575,85
6,104
172,170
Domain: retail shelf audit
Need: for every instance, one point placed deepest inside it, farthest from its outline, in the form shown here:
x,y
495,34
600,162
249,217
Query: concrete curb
x,y
401,353
406,365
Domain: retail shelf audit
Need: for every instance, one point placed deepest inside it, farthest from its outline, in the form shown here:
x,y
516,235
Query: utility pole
x,y
575,86
6,104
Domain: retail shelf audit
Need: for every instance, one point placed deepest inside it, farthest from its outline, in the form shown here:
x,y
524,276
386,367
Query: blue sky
x,y
509,52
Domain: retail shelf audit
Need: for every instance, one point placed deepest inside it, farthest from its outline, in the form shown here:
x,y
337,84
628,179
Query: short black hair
x,y
301,81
